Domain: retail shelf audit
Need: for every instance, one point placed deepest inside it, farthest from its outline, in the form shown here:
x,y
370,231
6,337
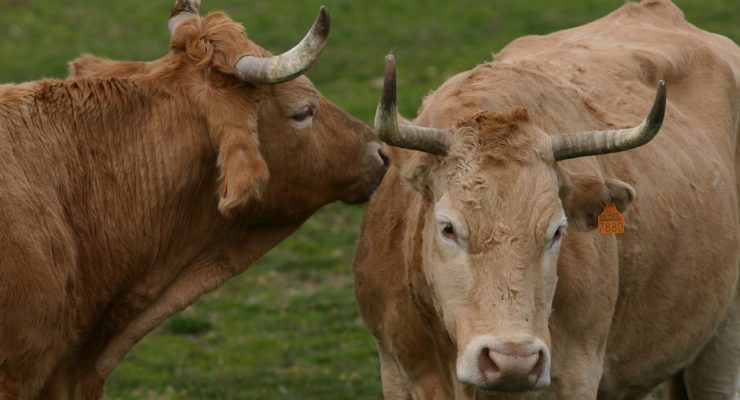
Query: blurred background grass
x,y
288,327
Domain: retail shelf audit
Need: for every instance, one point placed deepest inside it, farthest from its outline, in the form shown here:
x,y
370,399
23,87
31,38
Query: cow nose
x,y
384,158
511,369
505,365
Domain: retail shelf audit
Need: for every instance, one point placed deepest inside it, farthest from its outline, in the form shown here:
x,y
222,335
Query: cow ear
x,y
585,197
89,66
85,66
244,173
415,173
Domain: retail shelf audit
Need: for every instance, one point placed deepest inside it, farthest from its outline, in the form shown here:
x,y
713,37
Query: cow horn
x,y
182,10
582,144
292,63
428,140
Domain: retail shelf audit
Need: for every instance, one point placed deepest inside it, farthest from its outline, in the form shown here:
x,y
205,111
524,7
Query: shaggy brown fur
x,y
111,184
627,312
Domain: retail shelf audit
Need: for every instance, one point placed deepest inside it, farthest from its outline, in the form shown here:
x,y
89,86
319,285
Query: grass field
x,y
289,328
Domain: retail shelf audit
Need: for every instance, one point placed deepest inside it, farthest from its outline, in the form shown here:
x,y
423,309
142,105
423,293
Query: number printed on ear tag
x,y
611,221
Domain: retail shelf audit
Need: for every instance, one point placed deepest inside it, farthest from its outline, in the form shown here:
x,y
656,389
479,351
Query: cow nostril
x,y
384,158
539,366
485,364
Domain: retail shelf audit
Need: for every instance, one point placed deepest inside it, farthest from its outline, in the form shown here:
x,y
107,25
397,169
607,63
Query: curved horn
x,y
182,10
603,142
292,63
428,140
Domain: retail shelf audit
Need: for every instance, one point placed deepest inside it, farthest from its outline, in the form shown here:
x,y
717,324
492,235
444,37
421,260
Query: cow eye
x,y
556,236
448,231
303,114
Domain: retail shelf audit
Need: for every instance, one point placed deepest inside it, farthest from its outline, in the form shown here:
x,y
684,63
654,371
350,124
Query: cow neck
x,y
137,192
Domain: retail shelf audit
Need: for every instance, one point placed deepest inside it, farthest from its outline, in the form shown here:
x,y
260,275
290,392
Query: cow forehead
x,y
487,138
476,169
504,202
298,89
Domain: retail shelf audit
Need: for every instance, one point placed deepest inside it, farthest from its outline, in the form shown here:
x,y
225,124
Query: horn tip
x,y
323,22
661,95
185,6
661,88
390,62
657,112
388,96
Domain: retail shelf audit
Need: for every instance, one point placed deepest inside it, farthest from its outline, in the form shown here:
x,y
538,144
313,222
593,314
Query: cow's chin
x,y
363,195
512,388
377,164
358,193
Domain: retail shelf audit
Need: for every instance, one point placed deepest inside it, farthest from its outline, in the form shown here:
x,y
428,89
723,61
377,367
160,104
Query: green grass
x,y
289,327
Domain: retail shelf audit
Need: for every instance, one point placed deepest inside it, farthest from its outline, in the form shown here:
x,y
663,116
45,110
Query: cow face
x,y
491,244
281,144
316,152
283,149
499,211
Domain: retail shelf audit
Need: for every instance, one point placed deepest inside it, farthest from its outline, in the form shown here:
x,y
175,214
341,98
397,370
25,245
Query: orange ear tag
x,y
611,221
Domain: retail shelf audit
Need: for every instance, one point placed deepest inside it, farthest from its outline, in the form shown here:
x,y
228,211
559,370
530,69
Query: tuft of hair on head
x,y
488,123
492,137
214,41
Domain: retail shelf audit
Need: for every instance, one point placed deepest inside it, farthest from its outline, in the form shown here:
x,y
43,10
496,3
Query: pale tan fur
x,y
628,311
115,184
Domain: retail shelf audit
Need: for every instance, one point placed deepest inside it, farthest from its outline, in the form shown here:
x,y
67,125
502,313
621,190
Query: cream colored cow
x,y
480,270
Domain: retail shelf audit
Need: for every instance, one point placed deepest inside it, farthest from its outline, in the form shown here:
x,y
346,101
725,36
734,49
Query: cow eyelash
x,y
448,231
304,114
557,236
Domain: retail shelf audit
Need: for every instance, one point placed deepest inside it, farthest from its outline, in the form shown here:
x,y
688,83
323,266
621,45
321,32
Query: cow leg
x,y
37,267
70,383
59,385
677,387
89,387
715,373
33,351
578,378
393,387
423,383
578,362
33,333
652,396
10,386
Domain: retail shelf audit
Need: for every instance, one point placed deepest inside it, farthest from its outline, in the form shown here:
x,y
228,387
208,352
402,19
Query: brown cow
x,y
124,198
465,272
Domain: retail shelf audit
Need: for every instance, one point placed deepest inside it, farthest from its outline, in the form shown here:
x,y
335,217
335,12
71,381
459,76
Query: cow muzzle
x,y
505,364
377,163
